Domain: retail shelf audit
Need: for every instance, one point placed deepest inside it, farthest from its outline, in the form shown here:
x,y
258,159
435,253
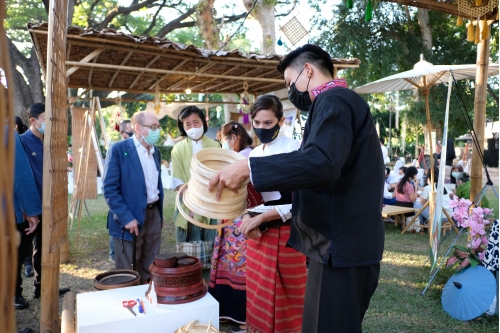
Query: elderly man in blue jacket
x,y
27,201
134,194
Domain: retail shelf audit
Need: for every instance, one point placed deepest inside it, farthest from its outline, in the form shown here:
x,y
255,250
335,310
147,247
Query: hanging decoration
x,y
279,42
485,30
157,107
470,31
369,10
117,111
294,30
349,4
460,22
246,102
476,32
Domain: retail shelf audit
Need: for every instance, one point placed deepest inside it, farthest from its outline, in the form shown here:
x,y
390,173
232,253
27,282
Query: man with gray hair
x,y
134,194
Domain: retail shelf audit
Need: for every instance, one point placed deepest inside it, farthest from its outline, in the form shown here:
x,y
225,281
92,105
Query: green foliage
x,y
391,43
166,152
19,13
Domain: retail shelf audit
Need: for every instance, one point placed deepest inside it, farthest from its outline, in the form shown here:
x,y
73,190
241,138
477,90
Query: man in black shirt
x,y
337,177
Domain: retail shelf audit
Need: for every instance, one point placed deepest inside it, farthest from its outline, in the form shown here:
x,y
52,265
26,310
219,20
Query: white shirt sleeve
x,y
176,182
285,211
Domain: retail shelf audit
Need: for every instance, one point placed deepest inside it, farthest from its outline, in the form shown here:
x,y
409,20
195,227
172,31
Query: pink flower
x,y
451,261
481,256
484,239
465,263
487,211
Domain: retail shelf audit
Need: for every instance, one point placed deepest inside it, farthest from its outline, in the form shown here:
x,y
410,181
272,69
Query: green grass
x,y
397,305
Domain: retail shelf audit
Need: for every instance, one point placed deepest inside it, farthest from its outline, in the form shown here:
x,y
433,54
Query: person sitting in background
x,y
463,189
406,192
424,216
385,151
227,282
455,170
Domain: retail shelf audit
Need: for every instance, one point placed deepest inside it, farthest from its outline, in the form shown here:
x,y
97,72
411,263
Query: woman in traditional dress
x,y
406,189
276,274
228,273
192,125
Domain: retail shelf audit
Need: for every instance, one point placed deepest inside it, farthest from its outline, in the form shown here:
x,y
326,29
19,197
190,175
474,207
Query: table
x,y
397,212
102,311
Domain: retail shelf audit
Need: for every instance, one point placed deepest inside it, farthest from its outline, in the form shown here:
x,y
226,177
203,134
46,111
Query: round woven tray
x,y
120,278
196,327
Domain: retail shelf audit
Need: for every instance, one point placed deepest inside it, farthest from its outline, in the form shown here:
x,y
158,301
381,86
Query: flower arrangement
x,y
475,220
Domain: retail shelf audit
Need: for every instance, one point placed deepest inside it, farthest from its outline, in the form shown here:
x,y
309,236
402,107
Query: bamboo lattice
x,y
88,166
294,30
55,177
8,231
469,8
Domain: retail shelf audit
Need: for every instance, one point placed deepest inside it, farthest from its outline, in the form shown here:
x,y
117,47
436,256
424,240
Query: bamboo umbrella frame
x,y
8,231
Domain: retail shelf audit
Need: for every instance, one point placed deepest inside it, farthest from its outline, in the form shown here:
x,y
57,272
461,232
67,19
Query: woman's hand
x,y
254,233
249,224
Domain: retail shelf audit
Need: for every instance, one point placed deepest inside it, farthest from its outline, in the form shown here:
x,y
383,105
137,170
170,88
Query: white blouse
x,y
282,144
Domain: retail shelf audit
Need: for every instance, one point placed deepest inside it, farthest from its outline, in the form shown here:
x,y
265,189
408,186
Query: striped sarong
x,y
276,282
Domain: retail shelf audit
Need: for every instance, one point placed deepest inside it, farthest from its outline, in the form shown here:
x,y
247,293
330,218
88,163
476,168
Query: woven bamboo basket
x,y
204,166
196,327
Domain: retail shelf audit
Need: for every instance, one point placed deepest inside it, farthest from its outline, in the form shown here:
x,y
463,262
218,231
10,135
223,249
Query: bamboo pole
x,y
432,193
65,257
476,169
68,313
166,71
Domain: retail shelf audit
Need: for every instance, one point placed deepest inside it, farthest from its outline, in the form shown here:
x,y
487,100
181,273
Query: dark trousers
x,y
147,246
37,255
25,247
337,298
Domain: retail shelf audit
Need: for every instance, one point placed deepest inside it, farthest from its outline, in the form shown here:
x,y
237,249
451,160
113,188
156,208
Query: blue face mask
x,y
42,128
455,174
153,136
225,145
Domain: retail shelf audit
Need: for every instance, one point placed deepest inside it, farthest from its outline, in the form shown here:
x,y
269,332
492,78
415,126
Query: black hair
x,y
387,170
36,110
403,168
186,112
307,53
267,102
21,127
243,140
382,141
409,173
124,123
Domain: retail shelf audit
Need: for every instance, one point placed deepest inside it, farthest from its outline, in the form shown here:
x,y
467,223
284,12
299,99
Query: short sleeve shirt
x,y
405,197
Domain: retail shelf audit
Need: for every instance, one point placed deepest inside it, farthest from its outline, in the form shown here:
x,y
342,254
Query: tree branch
x,y
92,6
492,93
174,24
121,10
153,21
177,23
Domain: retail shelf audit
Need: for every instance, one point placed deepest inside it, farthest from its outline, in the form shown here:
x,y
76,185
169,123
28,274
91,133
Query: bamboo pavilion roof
x,y
109,60
450,6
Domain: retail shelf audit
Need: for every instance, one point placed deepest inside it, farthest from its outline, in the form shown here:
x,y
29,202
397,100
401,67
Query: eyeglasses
x,y
153,127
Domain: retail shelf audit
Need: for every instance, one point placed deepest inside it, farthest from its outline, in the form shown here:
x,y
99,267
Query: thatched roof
x,y
111,60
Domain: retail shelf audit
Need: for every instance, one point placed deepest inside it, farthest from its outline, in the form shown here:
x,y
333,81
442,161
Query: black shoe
x,y
28,271
20,303
62,291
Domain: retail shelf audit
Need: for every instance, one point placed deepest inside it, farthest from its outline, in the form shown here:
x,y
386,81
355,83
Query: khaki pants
x,y
147,246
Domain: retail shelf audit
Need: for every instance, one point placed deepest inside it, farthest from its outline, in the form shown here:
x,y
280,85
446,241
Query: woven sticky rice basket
x,y
205,165
196,327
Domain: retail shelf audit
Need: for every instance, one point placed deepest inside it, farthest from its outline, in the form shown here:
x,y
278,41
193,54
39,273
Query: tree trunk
x,y
71,11
208,28
425,28
264,14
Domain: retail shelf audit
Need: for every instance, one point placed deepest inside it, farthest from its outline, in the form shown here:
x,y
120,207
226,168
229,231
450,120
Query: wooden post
x,y
68,313
432,193
65,251
476,168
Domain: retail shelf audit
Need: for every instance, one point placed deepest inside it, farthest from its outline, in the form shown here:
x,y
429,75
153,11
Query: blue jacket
x,y
125,188
26,196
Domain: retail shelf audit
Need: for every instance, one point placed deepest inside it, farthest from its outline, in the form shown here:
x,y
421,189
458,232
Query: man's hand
x,y
33,223
133,227
230,176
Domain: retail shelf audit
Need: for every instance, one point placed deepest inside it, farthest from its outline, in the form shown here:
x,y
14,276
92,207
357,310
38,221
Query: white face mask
x,y
195,133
